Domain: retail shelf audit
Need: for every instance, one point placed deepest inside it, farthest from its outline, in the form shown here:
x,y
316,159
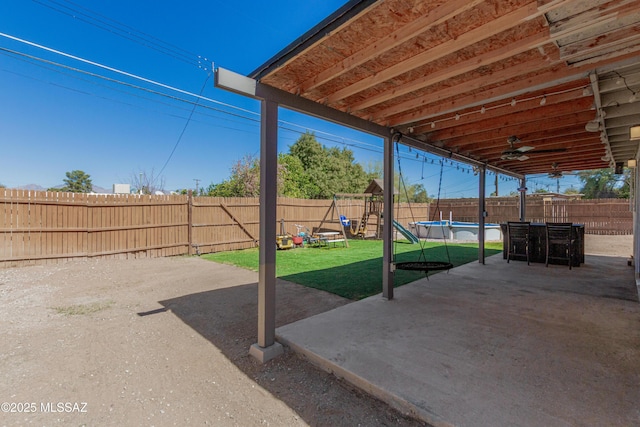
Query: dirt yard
x,y
165,342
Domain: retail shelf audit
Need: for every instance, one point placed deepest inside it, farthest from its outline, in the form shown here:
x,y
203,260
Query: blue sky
x,y
55,119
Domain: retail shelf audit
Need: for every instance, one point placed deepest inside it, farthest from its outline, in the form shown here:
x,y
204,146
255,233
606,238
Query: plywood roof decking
x,y
448,73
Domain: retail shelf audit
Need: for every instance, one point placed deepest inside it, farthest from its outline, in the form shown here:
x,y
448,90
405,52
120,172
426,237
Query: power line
x,y
126,84
184,128
117,71
122,30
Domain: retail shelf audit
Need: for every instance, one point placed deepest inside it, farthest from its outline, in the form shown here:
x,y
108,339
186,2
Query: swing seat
x,y
344,221
425,266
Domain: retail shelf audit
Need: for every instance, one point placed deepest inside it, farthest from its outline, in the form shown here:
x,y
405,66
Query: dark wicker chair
x,y
560,242
518,236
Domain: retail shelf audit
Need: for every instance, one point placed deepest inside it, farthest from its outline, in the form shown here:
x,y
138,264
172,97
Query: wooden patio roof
x,y
511,83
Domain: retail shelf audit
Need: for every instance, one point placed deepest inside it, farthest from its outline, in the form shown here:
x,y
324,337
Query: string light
x,y
542,101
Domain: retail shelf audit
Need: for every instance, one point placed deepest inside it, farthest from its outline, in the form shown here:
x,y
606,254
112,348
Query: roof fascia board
x,y
247,86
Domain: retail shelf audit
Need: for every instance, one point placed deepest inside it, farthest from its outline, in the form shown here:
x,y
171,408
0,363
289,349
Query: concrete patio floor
x,y
500,344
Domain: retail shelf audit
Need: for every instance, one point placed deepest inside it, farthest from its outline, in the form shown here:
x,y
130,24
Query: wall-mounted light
x,y
592,126
634,133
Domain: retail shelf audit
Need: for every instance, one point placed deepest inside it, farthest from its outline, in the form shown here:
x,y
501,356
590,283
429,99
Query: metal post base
x,y
264,354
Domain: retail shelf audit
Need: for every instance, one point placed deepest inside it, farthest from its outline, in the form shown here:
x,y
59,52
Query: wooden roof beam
x,y
467,39
607,41
598,15
580,164
521,118
568,143
407,32
531,83
542,133
476,115
483,60
557,74
555,123
538,162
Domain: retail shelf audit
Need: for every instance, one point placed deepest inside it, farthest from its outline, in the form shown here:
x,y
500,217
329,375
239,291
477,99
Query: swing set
x,y
422,263
339,210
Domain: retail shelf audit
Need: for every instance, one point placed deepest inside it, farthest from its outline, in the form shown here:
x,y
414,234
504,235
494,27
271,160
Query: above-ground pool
x,y
454,230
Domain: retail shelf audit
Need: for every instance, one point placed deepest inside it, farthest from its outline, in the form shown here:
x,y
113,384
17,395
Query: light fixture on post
x,y
634,133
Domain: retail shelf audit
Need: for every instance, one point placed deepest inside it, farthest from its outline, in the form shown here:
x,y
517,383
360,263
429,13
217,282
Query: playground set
x,y
335,227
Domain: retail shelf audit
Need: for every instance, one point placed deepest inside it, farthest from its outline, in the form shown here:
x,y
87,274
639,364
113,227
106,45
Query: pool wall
x,y
454,230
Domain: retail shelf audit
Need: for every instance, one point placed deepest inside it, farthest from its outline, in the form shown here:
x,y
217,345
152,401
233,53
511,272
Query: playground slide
x,y
406,233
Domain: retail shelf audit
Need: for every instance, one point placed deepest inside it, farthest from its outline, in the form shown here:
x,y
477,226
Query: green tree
x,y
603,183
292,179
310,170
412,193
76,181
327,170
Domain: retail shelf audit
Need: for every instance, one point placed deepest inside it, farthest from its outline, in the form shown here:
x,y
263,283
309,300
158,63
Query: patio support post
x,y
636,226
267,348
482,212
387,226
523,198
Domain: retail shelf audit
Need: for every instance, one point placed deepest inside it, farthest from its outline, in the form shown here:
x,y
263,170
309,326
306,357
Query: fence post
x,y
190,221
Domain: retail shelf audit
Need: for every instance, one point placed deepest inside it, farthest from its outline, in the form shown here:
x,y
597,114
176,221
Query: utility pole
x,y
197,182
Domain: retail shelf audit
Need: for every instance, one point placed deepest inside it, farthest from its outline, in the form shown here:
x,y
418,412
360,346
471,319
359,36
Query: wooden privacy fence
x,y
600,216
42,227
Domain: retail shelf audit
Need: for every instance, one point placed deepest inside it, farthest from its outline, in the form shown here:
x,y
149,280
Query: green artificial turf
x,y
354,272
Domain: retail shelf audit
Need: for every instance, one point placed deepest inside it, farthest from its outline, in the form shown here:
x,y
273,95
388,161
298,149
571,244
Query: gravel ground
x,y
160,342
165,342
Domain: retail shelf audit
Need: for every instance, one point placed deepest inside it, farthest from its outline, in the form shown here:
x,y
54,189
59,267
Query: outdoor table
x,y
538,245
327,237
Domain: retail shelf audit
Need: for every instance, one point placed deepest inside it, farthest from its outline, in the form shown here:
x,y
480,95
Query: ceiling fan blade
x,y
551,150
523,158
524,149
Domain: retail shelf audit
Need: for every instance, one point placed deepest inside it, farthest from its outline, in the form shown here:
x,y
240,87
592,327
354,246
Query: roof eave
x,y
326,26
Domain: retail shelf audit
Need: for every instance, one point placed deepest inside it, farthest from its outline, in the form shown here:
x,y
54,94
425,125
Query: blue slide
x,y
406,233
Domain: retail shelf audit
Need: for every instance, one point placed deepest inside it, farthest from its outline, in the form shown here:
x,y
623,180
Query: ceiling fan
x,y
555,173
514,153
